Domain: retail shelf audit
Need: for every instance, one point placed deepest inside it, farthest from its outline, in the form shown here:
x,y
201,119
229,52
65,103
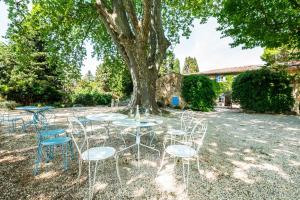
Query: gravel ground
x,y
245,156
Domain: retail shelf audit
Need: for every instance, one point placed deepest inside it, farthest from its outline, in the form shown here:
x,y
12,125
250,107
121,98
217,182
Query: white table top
x,y
106,117
33,108
142,123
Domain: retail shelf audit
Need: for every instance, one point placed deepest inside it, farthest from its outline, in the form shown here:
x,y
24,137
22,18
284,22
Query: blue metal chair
x,y
50,139
11,121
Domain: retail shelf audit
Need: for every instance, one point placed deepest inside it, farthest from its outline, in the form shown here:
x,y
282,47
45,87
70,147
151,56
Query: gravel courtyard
x,y
245,156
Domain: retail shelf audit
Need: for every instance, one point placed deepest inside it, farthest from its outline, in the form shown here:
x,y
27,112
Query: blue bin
x,y
175,101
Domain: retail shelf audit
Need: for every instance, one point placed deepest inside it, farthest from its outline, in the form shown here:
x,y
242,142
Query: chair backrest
x,y
78,134
186,120
198,134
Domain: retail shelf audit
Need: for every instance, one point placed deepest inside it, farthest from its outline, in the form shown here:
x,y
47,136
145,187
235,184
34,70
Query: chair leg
x,y
117,168
71,150
162,162
186,174
38,160
92,183
198,165
65,155
122,137
79,170
94,179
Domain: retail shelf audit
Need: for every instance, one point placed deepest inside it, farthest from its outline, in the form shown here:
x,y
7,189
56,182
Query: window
x,y
219,78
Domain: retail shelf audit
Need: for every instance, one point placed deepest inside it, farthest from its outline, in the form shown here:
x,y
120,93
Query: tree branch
x,y
148,4
121,20
131,12
109,25
104,12
162,41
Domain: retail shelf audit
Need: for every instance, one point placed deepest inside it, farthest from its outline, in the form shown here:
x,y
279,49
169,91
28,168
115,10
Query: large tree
x,y
28,73
113,76
265,23
139,30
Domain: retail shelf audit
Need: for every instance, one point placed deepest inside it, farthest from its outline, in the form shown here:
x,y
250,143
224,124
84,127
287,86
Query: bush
x,y
91,98
198,92
8,105
263,91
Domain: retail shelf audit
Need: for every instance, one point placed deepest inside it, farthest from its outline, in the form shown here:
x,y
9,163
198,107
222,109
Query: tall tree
x,y
89,76
168,63
140,30
263,23
113,76
190,65
33,76
176,66
278,55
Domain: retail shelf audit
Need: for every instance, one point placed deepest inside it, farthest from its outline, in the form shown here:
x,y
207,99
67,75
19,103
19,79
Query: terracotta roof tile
x,y
231,70
293,65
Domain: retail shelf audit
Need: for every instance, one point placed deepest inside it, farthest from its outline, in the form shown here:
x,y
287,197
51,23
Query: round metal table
x,y
107,118
37,113
143,123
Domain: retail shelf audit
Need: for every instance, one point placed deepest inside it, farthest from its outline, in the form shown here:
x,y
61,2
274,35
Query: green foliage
x,y
11,105
29,74
190,65
113,76
176,66
89,94
263,91
93,98
170,64
273,56
198,92
68,24
225,86
260,22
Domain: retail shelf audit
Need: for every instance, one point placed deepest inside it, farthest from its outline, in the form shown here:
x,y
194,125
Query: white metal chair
x,y
85,153
186,124
188,149
79,113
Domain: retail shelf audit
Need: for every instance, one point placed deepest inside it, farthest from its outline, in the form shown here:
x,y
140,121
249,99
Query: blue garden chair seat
x,y
56,141
49,133
64,142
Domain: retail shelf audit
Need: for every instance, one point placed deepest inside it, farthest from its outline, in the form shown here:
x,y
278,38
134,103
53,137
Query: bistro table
x,y
143,123
107,118
37,113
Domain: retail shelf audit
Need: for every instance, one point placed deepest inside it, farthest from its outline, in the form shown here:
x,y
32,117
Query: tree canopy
x,y
67,24
190,65
28,72
262,23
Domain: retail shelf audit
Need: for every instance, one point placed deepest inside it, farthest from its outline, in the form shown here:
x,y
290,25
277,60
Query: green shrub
x,y
8,105
199,92
263,91
91,98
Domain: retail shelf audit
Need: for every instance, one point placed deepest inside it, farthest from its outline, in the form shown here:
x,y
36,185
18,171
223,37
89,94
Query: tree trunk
x,y
141,43
144,88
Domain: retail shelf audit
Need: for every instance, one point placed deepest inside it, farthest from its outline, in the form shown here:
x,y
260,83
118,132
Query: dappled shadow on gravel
x,y
245,156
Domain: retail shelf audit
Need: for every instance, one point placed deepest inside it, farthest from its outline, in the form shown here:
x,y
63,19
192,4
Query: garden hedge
x,y
263,90
91,98
198,92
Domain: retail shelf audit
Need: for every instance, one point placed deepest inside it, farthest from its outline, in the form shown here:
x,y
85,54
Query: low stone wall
x,y
167,87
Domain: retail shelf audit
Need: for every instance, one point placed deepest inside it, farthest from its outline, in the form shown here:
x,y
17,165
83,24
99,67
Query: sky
x,y
205,44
